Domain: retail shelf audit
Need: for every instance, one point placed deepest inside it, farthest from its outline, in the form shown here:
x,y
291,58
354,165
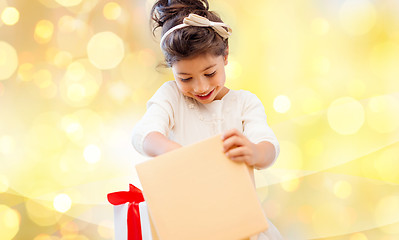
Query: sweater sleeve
x,y
159,116
254,120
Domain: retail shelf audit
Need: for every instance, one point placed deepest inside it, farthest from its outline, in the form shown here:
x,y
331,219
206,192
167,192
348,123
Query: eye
x,y
211,74
185,79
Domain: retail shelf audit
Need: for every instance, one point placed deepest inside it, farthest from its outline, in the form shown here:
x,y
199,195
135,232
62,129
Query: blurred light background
x,y
75,76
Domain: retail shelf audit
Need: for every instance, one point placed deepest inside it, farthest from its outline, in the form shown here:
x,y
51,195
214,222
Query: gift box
x,y
131,219
197,193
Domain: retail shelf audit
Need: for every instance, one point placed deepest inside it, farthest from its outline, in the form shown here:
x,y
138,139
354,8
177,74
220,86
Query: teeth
x,y
204,95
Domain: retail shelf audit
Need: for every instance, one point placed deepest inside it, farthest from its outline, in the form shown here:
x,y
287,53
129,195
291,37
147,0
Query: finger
x,y
237,152
232,142
242,158
230,133
239,159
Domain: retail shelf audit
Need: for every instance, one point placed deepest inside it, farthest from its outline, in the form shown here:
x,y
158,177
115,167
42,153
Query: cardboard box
x,y
197,193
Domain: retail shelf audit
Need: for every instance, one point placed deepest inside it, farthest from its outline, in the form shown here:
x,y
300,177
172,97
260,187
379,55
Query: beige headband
x,y
199,21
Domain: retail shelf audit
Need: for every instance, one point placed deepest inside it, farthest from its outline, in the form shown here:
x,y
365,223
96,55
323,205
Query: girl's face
x,y
201,77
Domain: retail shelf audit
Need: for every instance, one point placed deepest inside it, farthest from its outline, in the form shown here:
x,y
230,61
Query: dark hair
x,y
190,41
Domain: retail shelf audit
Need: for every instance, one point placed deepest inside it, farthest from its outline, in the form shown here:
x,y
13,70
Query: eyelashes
x,y
206,75
185,79
211,74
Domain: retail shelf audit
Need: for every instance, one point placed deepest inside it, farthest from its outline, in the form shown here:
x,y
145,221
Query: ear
x,y
226,56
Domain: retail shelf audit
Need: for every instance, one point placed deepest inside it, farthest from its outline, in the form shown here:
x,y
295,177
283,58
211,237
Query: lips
x,y
205,96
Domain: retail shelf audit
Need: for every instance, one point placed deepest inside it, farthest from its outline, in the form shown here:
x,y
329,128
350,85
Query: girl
x,y
197,105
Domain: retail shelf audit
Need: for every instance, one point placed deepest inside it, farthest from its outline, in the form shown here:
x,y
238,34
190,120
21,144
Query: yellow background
x,y
75,76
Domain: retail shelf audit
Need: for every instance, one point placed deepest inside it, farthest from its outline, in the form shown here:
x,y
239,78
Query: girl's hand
x,y
238,148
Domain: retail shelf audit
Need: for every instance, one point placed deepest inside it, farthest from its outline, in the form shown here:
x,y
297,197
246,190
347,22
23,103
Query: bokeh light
x,y
10,16
105,50
68,3
80,83
92,153
43,31
69,230
25,71
68,24
75,71
73,128
305,213
342,189
73,33
119,91
62,202
9,222
112,11
345,115
62,59
82,126
282,104
358,236
8,60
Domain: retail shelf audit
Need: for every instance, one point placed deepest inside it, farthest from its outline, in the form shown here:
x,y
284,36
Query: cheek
x,y
184,87
221,79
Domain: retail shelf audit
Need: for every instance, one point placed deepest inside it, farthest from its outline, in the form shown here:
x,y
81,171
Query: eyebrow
x,y
211,66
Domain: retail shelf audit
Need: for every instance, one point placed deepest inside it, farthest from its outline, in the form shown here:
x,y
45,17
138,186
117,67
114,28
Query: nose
x,y
201,86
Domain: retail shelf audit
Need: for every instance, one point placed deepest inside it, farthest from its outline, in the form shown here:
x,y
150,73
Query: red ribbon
x,y
134,196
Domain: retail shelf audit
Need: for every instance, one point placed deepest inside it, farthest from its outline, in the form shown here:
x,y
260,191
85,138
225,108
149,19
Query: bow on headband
x,y
199,21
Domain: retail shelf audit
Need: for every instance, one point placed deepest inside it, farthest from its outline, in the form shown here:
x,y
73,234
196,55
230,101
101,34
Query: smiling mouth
x,y
205,96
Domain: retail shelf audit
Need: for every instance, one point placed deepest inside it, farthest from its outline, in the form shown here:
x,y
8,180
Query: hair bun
x,y
164,10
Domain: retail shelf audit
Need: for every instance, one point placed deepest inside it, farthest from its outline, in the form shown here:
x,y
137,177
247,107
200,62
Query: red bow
x,y
134,196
